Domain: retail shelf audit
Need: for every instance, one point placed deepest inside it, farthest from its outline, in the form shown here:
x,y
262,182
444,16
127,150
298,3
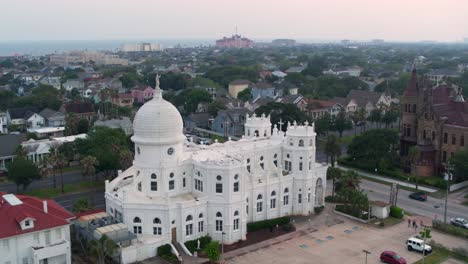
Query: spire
x,y
157,90
412,89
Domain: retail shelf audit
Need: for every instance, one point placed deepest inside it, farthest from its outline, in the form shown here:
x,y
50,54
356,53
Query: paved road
x,y
381,192
95,197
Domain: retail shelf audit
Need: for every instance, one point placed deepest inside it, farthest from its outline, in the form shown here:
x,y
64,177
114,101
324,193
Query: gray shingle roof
x,y
9,143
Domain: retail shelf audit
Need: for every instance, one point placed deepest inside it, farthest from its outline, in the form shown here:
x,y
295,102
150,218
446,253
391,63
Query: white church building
x,y
178,191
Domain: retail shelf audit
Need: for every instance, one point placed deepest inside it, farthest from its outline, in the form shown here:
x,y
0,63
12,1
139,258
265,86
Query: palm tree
x,y
350,180
21,151
61,162
361,116
44,168
88,166
52,159
102,248
332,149
333,174
126,159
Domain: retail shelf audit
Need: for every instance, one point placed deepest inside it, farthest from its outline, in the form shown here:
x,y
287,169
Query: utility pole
x,y
367,253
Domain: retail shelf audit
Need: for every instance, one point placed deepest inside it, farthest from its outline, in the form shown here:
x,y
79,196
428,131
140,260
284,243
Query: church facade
x,y
178,191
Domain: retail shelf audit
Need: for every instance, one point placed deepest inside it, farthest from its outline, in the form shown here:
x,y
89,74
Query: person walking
x,y
409,222
414,222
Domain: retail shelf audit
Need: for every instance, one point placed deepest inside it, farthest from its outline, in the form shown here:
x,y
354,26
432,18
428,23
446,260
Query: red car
x,y
391,257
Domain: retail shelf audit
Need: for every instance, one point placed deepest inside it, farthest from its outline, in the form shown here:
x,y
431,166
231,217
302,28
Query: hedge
x,y
344,208
318,209
192,244
267,223
334,199
396,212
450,229
428,181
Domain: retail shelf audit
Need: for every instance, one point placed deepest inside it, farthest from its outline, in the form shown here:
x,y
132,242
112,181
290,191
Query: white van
x,y
414,243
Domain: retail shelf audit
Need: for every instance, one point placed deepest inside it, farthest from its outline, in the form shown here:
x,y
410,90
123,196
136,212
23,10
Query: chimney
x,y
44,205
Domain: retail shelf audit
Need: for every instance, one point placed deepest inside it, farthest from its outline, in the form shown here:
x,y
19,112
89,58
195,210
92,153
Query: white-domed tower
x,y
158,137
257,126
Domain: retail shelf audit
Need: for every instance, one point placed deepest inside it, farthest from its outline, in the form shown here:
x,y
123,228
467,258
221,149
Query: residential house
x,y
9,145
53,118
25,117
123,100
265,90
252,105
354,71
295,99
295,69
33,230
201,120
439,75
73,84
3,123
115,84
123,123
237,86
48,132
51,80
279,74
349,105
142,94
370,100
37,150
82,110
230,122
318,108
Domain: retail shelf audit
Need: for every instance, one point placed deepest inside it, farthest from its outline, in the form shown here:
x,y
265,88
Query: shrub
x,y
450,229
212,251
165,252
318,209
267,223
192,244
333,199
288,227
382,224
347,209
396,212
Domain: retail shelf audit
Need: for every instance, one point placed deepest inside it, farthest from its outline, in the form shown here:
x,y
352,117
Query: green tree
x,y
189,99
71,124
81,205
7,98
61,163
212,251
20,151
373,146
341,123
323,124
360,115
375,116
460,165
390,117
332,149
83,126
287,113
348,180
245,95
214,107
88,166
125,159
102,248
22,172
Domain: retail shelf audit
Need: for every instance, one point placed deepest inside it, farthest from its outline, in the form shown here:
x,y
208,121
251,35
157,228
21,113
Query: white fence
x,y
458,186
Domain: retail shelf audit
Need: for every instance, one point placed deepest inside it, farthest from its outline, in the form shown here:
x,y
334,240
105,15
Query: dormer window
x,y
27,223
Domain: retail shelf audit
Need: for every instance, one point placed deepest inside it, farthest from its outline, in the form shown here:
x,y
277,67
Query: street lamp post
x,y
367,253
222,247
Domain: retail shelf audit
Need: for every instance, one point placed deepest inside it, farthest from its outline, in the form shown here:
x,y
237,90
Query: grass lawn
x,y
346,139
441,254
49,193
388,222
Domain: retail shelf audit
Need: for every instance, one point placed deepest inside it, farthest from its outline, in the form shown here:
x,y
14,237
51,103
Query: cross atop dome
x,y
157,90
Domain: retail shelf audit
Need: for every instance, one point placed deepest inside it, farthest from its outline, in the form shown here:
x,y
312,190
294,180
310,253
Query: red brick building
x,y
236,41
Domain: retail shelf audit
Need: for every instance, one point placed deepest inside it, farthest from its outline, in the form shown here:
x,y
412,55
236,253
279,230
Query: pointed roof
x,y
412,89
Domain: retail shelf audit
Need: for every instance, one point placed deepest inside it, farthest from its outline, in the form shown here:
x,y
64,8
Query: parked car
x,y
460,222
391,257
420,196
416,244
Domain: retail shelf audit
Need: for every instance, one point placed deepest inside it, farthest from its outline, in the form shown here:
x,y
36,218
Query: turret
x,y
258,126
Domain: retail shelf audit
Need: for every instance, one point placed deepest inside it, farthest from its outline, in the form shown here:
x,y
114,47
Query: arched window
x,y
153,176
218,214
273,193
264,134
156,221
300,166
301,143
257,134
259,197
286,196
200,215
201,225
154,183
137,226
286,190
171,175
236,220
189,226
291,142
273,200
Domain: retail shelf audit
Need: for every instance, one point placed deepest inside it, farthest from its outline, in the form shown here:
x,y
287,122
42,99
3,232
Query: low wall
x,y
351,217
458,186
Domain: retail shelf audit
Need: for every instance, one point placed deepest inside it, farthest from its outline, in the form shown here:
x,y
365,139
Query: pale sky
x,y
402,20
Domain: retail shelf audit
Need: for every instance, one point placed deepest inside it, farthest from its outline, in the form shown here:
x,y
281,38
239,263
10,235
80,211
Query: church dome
x,y
158,122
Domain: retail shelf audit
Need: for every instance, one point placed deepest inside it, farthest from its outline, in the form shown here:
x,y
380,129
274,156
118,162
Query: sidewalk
x,y
389,180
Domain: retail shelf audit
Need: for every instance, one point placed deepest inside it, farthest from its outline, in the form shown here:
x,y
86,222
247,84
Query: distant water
x,y
37,48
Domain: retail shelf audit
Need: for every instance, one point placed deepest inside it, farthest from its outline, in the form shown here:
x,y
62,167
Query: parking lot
x,y
342,243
